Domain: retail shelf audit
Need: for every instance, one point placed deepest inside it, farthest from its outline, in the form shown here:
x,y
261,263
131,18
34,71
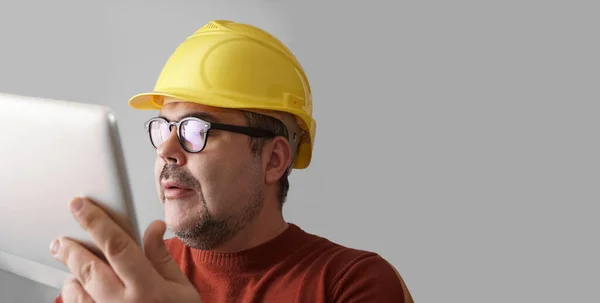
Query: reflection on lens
x,y
159,132
193,134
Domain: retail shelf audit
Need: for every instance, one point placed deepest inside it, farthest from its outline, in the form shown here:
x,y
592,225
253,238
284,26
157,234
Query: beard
x,y
209,232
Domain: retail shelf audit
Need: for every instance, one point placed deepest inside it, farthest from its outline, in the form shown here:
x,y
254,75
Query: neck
x,y
267,225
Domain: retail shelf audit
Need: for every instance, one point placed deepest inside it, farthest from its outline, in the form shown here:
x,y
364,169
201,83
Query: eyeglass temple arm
x,y
246,130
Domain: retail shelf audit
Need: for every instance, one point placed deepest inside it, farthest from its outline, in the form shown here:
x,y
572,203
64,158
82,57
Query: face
x,y
208,196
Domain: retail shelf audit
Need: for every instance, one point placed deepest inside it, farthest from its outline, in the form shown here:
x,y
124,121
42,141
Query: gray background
x,y
459,139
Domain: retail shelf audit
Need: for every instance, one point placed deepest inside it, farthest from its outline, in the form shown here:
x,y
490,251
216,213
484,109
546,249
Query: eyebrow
x,y
200,115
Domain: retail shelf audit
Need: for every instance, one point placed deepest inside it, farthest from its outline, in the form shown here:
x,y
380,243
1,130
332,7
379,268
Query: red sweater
x,y
294,267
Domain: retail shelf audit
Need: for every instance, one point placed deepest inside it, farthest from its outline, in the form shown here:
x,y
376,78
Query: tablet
x,y
52,151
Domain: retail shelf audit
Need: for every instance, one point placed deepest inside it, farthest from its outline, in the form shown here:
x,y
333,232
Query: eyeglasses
x,y
193,132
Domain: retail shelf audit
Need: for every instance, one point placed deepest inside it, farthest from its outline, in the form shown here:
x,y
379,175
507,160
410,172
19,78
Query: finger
x,y
73,292
125,257
94,275
159,255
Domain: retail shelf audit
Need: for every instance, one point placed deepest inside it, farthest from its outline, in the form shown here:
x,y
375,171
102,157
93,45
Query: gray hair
x,y
277,126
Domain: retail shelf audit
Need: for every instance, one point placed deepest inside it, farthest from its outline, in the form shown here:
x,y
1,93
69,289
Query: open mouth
x,y
174,190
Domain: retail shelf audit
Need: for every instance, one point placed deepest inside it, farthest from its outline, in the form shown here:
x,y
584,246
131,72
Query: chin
x,y
179,217
181,224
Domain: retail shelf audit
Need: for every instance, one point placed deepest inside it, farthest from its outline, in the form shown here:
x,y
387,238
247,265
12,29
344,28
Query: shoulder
x,y
357,275
368,277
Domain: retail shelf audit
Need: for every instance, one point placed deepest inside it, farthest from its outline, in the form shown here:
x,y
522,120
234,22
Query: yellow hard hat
x,y
233,65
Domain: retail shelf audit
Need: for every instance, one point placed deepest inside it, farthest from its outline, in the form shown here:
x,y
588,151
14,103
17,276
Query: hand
x,y
128,274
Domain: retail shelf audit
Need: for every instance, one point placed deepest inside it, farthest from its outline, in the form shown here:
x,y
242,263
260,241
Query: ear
x,y
277,158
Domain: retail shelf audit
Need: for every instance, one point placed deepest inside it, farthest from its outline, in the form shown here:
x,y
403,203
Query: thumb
x,y
158,254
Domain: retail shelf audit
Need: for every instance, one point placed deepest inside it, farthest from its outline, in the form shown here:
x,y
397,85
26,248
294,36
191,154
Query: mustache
x,y
179,175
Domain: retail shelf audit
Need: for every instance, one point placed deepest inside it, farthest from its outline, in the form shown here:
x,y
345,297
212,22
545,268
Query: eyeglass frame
x,y
208,126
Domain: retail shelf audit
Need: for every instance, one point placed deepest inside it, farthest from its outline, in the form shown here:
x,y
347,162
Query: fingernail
x,y
76,205
54,246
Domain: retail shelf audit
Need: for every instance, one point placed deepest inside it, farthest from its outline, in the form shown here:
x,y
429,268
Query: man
x,y
235,117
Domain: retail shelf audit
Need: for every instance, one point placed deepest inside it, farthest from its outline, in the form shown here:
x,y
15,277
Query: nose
x,y
171,151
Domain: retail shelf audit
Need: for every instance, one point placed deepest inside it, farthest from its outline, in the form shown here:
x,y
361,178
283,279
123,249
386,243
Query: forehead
x,y
174,111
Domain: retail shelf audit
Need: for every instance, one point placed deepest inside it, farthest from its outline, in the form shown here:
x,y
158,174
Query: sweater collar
x,y
256,258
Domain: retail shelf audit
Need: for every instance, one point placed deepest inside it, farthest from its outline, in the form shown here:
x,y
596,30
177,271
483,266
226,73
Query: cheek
x,y
214,177
226,181
158,165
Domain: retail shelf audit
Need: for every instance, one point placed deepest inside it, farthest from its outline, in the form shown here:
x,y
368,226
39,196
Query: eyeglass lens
x,y
192,134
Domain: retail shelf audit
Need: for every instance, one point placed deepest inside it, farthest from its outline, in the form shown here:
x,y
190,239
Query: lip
x,y
171,184
174,190
177,193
